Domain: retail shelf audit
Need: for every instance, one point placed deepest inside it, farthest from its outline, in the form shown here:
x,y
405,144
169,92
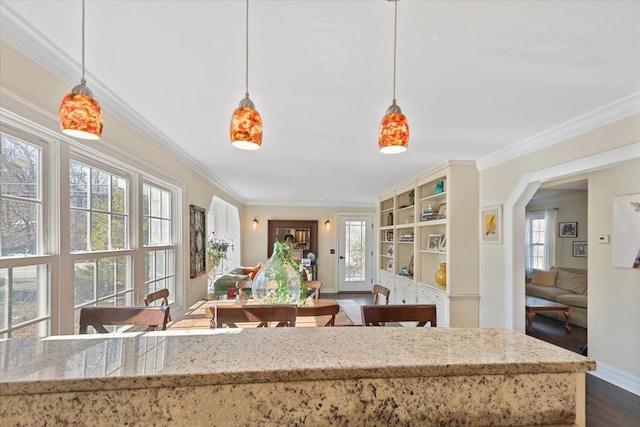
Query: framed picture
x,y
580,249
390,265
390,251
305,262
568,229
197,243
491,226
442,211
434,242
443,244
389,236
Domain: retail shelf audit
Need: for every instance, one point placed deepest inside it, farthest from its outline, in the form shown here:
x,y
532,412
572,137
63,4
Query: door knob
x,y
341,257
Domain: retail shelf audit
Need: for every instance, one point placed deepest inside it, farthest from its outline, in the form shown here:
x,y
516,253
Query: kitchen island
x,y
293,376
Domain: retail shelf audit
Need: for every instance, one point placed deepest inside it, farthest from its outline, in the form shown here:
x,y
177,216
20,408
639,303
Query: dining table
x,y
199,315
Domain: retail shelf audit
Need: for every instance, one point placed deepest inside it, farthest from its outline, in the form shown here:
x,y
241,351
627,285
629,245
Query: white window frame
x,y
33,126
45,256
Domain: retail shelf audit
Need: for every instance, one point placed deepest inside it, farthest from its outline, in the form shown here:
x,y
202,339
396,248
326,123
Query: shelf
x,y
386,210
386,256
386,241
406,241
405,208
387,227
424,251
410,225
432,222
434,286
432,197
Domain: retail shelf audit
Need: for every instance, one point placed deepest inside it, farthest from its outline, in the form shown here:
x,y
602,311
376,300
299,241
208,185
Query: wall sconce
x,y
327,225
255,223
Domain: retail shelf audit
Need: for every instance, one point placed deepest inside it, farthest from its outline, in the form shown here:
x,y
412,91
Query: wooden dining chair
x,y
320,310
313,288
380,290
379,315
230,315
99,317
242,286
162,295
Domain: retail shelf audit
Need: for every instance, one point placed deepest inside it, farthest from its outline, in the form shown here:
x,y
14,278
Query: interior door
x,y
355,252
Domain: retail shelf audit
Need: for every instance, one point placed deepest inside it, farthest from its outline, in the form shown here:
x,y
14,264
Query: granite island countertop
x,y
244,356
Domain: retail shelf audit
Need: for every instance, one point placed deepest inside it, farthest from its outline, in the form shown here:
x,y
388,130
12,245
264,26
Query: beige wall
x,y
496,185
37,86
571,210
614,292
254,242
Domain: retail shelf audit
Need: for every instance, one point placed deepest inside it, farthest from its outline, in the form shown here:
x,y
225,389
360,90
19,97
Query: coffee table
x,y
535,305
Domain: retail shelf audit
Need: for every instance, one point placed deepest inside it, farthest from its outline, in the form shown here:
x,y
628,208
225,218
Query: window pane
x,y
166,205
79,227
146,194
355,251
27,292
84,272
99,190
99,232
170,262
19,175
79,185
123,274
165,232
118,232
106,277
155,202
4,289
20,223
149,266
154,232
160,264
145,231
118,195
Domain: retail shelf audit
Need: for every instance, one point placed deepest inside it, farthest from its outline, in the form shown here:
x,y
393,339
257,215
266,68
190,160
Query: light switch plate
x,y
603,238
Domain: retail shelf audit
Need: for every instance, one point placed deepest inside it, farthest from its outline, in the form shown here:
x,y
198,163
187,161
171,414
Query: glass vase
x,y
278,281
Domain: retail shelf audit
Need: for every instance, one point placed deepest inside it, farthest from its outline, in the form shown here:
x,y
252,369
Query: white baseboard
x,y
617,377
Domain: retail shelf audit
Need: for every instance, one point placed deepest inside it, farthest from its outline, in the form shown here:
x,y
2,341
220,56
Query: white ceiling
x,y
473,78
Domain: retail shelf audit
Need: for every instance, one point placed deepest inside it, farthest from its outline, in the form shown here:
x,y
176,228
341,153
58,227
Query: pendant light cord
x,y
83,80
395,41
246,83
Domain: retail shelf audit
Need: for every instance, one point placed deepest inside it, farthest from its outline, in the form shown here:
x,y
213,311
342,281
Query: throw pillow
x,y
252,271
571,281
544,278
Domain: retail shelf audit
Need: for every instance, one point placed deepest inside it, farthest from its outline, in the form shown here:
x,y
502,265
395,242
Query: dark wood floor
x,y
607,405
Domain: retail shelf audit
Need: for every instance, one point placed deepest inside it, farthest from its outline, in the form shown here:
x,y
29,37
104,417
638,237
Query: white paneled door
x,y
355,252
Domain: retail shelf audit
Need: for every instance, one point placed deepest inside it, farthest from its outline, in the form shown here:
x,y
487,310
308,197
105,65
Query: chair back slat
x,y
378,315
313,285
285,315
162,294
242,285
380,290
322,310
99,317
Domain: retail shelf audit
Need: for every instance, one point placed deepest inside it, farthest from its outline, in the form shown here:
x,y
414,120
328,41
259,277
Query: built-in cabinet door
x,y
430,296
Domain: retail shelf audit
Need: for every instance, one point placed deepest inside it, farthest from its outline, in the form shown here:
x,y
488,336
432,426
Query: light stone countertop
x,y
241,356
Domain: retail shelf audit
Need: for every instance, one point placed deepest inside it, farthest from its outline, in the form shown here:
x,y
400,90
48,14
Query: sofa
x,y
565,286
222,284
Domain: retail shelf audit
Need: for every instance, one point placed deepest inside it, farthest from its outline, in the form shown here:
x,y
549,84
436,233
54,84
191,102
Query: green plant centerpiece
x,y
279,280
216,249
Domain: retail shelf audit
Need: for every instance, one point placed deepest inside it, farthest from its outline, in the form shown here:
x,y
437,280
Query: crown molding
x,y
609,113
31,43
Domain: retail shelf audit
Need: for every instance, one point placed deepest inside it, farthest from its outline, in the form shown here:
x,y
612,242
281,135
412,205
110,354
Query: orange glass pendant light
x,y
80,114
393,137
246,123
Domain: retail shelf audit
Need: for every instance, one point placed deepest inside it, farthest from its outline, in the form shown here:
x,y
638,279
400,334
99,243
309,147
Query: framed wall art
x,y
625,239
491,226
197,243
580,249
568,229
